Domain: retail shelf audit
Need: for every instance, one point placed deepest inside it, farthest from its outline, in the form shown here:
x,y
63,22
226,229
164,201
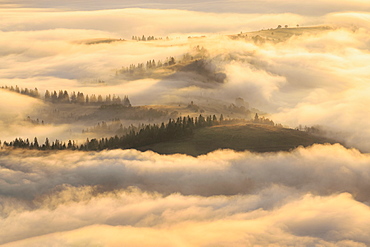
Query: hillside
x,y
280,34
240,137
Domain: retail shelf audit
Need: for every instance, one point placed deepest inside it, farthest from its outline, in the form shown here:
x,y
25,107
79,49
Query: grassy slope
x,y
253,137
282,34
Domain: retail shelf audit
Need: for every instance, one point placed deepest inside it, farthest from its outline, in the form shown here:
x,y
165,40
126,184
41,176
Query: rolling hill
x,y
239,137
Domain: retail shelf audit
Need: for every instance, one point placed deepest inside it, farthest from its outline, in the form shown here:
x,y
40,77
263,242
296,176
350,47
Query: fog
x,y
311,79
316,195
31,174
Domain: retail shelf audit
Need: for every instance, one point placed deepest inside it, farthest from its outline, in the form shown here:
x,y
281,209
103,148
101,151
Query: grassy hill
x,y
240,137
280,34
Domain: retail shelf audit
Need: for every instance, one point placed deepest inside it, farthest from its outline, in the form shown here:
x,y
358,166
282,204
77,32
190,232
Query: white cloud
x,y
315,195
311,196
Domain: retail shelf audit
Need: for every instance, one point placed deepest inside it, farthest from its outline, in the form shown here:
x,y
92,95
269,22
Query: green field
x,y
240,137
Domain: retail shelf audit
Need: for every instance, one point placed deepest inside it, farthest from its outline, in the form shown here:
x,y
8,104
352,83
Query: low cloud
x,y
138,21
313,79
18,118
30,175
315,195
312,196
145,220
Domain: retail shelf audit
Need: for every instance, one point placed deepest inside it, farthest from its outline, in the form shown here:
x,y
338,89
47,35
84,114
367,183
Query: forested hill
x,y
254,137
192,136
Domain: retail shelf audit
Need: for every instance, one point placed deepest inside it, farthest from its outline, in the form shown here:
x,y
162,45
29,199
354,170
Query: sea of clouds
x,y
310,196
314,79
315,196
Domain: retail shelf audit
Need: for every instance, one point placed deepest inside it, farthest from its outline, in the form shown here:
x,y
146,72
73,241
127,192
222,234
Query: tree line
x,y
197,52
80,98
174,129
262,120
114,125
150,64
149,38
25,91
77,98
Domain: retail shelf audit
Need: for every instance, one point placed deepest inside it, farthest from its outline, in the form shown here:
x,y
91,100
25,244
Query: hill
x,y
98,41
280,34
239,137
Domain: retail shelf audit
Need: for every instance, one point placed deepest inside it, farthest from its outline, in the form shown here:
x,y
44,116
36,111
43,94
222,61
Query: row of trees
x,y
146,135
65,97
30,92
135,137
312,130
263,120
149,38
197,52
137,113
286,26
114,125
150,64
80,98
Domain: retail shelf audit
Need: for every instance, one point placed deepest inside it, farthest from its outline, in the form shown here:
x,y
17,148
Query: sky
x,y
314,196
311,8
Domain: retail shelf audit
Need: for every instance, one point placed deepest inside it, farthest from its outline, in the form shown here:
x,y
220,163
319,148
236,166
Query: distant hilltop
x,y
279,34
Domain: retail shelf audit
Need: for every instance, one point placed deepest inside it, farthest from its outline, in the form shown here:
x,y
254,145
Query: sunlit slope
x,y
198,65
240,137
280,34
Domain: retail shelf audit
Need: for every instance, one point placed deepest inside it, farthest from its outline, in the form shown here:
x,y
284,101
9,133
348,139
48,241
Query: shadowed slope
x,y
240,137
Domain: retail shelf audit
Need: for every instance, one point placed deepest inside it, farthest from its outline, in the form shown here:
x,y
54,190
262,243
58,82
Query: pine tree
x,y
65,97
54,97
47,144
256,118
47,95
221,118
35,143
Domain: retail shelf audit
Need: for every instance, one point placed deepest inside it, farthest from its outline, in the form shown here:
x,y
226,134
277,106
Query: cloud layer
x,y
316,195
27,177
313,79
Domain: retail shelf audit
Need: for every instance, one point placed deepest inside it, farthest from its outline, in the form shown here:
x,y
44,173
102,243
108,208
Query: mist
x,y
311,79
312,72
170,197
